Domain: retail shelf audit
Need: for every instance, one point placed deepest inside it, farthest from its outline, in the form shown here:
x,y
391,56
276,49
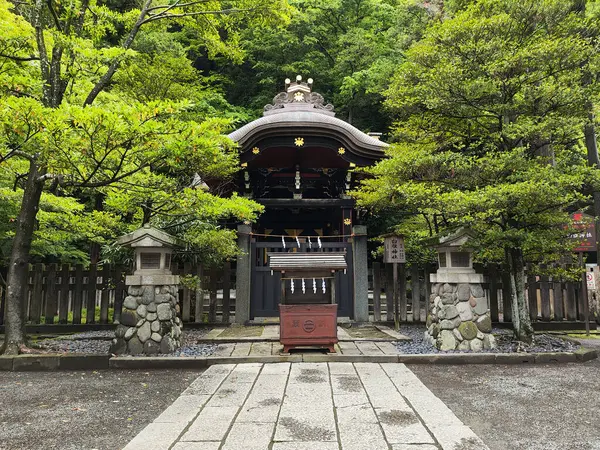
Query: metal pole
x,y
586,300
396,295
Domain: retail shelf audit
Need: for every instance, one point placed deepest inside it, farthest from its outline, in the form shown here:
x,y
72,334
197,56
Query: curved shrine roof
x,y
298,109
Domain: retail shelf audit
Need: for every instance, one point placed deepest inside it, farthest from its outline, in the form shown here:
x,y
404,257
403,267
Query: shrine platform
x,y
264,340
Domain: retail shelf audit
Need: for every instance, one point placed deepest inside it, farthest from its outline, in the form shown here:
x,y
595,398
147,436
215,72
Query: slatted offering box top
x,y
308,309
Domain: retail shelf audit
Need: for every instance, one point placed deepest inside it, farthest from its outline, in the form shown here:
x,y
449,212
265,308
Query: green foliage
x,y
349,47
100,103
490,107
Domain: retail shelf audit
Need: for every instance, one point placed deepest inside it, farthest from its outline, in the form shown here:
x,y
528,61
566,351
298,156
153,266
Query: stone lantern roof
x,y
148,236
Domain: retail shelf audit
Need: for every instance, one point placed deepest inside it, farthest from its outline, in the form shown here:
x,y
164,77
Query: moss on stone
x,y
468,330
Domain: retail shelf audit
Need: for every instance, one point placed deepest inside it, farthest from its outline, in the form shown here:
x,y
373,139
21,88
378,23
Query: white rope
x,y
323,285
303,287
319,241
309,243
283,241
292,285
314,286
298,241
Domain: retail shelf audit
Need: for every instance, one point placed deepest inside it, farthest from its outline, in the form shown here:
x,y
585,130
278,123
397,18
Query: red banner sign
x,y
586,232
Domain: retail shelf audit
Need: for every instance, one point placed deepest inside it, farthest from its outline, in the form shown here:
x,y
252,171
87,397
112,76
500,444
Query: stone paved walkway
x,y
310,406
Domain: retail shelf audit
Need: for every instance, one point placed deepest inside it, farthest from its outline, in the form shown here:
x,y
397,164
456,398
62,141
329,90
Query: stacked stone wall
x,y
149,323
459,318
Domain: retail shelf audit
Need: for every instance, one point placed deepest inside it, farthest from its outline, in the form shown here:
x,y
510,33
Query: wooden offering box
x,y
308,311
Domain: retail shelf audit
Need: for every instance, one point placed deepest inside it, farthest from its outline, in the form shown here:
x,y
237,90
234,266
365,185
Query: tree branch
x,y
20,58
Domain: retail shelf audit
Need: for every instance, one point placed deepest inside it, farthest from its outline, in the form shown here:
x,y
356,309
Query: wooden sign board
x,y
394,250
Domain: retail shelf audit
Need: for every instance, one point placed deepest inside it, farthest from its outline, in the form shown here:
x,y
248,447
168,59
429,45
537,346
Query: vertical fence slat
x,y
506,298
91,294
212,306
428,270
78,294
376,292
493,270
51,294
532,297
119,283
226,292
199,294
559,313
571,301
416,293
545,295
389,292
187,294
36,294
105,294
65,284
402,292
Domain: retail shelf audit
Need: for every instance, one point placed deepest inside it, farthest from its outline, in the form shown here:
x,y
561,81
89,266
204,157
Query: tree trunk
x,y
521,321
19,262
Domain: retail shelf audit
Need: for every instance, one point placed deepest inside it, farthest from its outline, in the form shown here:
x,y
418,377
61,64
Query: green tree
x,y
349,47
490,109
61,116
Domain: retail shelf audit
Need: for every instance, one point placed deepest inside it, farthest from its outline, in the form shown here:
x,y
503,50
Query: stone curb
x,y
23,363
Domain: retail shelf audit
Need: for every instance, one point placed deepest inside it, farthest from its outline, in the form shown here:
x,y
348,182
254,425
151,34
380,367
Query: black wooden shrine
x,y
298,160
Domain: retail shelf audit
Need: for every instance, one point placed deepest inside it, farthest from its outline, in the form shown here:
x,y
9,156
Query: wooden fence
x,y
550,300
68,294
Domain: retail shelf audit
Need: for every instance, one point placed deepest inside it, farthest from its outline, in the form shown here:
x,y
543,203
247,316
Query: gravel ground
x,y
527,407
83,410
99,342
504,339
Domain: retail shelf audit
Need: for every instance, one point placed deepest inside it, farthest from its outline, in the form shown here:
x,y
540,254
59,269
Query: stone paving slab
x,y
297,406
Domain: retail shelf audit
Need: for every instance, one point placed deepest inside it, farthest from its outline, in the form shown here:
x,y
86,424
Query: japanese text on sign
x,y
394,250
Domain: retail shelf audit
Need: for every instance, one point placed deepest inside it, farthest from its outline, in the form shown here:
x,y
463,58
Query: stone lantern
x,y
149,323
459,316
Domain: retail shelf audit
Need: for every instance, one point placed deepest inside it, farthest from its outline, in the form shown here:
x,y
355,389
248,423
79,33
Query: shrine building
x,y
298,161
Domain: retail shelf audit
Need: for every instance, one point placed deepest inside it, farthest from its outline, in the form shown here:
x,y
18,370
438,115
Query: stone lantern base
x,y
458,317
149,323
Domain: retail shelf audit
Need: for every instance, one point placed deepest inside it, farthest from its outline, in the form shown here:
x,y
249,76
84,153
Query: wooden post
x,y
78,294
396,306
493,270
91,294
199,300
558,300
416,293
402,292
506,297
51,294
584,296
545,295
212,306
119,288
104,294
376,292
35,311
389,292
186,304
63,309
226,292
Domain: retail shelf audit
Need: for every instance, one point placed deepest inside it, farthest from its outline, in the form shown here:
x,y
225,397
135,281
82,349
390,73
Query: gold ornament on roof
x,y
347,222
299,96
341,150
256,150
299,142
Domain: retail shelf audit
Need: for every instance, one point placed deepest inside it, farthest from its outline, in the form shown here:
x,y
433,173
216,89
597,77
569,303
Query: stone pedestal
x,y
149,321
459,316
